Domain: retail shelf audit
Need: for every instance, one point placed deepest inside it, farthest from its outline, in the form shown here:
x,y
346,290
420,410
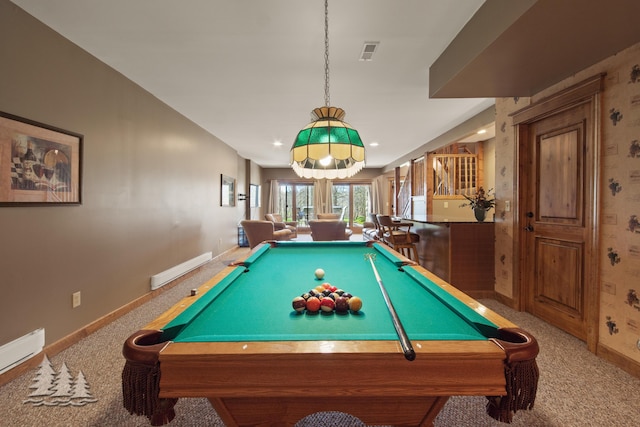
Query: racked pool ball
x,y
355,304
326,285
313,305
314,293
327,305
342,305
299,304
306,296
319,273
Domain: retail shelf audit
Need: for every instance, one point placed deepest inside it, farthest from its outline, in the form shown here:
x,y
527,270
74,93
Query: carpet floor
x,y
576,388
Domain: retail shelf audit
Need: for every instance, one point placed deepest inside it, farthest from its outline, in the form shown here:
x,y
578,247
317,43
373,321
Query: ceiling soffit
x,y
520,48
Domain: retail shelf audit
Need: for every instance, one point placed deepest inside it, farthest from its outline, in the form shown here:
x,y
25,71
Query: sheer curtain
x,y
376,195
274,197
322,196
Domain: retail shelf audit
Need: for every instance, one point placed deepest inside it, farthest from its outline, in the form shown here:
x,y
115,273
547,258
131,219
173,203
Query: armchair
x,y
327,230
258,231
279,224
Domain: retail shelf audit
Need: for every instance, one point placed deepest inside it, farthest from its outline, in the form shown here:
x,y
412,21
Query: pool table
x,y
237,341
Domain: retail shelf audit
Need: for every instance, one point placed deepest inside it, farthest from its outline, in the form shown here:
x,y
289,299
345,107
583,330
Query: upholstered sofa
x,y
328,229
333,216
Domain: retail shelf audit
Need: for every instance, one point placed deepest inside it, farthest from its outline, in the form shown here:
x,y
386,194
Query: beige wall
x,y
619,322
151,187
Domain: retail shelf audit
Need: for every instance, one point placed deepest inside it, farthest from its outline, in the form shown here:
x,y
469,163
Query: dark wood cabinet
x,y
461,253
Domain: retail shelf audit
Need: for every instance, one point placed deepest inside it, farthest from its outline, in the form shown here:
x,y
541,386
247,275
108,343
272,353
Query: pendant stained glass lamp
x,y
328,147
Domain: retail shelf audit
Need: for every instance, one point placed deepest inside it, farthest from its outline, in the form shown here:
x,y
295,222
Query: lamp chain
x,y
327,98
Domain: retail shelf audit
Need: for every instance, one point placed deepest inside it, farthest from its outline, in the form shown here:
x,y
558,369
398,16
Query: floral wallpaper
x,y
619,195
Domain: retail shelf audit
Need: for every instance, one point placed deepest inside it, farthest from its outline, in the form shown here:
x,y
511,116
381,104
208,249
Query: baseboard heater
x,y
161,279
21,349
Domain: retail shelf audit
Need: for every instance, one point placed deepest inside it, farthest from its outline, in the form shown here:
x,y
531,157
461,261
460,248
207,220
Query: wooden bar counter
x,y
461,253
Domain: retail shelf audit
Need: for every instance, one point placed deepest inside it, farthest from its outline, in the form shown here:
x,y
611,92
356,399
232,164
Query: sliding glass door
x,y
361,203
350,201
304,203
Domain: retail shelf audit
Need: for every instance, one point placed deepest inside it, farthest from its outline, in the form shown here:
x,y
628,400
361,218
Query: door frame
x,y
587,91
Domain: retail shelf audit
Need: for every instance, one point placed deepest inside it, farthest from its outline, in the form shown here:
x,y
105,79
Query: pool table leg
x,y
221,409
434,410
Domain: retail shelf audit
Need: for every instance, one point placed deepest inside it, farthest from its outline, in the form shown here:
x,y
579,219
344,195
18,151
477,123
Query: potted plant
x,y
480,203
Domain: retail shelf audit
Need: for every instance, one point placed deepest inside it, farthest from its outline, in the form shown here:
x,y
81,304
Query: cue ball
x,y
355,304
319,273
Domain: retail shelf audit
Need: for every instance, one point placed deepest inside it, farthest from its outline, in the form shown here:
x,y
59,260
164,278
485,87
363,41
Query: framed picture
x,y
39,164
227,191
254,195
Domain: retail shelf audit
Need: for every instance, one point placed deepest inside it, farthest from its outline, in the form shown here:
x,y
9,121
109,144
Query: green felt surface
x,y
254,302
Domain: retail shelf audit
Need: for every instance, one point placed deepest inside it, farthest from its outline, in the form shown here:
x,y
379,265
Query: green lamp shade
x,y
331,139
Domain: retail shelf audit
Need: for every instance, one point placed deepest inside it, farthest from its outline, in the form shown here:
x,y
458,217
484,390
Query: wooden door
x,y
558,214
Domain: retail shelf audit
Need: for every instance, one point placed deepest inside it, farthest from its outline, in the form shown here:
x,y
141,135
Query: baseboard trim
x,y
620,360
505,300
481,294
74,337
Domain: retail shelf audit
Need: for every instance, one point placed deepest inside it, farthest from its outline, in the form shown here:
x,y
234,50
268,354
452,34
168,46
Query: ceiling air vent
x,y
368,50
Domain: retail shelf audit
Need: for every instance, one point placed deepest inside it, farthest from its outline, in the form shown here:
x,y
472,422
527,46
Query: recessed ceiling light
x,y
277,143
373,144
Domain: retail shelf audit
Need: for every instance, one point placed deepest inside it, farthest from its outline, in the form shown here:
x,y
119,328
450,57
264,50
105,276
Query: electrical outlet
x,y
75,297
507,205
446,205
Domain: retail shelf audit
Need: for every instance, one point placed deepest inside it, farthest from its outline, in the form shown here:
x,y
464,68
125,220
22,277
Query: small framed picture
x,y
227,191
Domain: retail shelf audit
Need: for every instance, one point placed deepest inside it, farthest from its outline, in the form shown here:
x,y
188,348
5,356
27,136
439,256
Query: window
x,y
349,200
296,202
304,203
361,203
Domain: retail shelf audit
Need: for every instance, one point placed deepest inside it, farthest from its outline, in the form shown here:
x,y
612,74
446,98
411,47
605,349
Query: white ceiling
x,y
251,71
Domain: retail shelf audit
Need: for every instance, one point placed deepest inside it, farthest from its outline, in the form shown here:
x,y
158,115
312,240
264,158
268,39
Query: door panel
x,y
557,234
558,287
560,163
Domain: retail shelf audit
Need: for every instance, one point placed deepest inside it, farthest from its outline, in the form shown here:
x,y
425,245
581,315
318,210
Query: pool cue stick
x,y
405,343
